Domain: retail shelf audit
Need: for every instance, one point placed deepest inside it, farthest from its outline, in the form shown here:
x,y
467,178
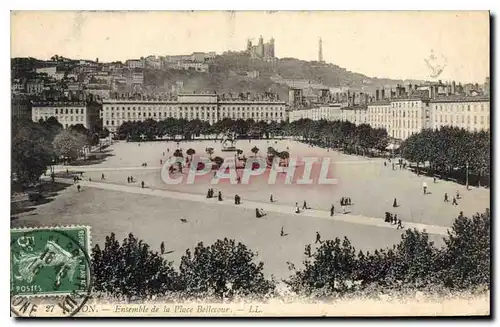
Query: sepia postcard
x,y
250,164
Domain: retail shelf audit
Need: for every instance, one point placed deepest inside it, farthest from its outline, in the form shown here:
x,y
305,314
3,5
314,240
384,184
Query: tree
x,y
465,261
68,144
218,161
414,259
255,150
191,152
331,269
178,153
284,156
131,269
223,269
31,150
210,152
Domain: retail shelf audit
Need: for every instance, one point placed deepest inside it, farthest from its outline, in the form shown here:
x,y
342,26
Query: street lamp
x,y
467,175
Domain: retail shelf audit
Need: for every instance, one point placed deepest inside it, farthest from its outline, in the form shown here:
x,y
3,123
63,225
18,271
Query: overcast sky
x,y
377,44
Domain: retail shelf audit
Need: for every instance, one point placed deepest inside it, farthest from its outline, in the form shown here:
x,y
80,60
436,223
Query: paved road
x,y
268,207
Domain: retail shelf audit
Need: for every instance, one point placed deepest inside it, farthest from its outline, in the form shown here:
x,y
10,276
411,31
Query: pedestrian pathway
x,y
268,207
99,168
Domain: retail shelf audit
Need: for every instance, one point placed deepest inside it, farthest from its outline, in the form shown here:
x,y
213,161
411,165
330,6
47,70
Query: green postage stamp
x,y
50,261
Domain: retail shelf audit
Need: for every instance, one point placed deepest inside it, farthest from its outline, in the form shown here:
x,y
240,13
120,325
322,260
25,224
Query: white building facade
x,y
407,116
66,113
328,112
205,107
470,113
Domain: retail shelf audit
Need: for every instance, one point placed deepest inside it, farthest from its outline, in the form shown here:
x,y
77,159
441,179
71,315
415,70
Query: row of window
x,y
120,121
194,108
462,107
197,115
412,104
61,111
481,119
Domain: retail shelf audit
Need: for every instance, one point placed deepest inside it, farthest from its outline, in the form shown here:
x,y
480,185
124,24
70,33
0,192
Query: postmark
x,y
50,269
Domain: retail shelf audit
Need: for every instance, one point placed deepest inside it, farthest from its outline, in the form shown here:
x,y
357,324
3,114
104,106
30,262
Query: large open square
x,y
153,213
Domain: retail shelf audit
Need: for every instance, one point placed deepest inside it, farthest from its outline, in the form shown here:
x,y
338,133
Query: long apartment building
x,y
67,113
404,117
328,112
205,107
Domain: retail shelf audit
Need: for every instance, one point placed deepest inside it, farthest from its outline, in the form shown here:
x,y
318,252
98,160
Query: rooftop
x,y
461,98
58,104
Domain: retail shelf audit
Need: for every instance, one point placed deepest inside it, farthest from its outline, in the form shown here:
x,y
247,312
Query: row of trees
x,y
150,129
360,139
36,146
450,151
227,269
346,135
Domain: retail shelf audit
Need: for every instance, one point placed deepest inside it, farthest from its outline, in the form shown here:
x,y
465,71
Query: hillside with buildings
x,y
248,84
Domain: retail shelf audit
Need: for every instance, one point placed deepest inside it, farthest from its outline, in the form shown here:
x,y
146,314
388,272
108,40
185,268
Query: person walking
x,y
395,220
78,187
304,206
297,210
220,196
458,195
461,215
318,238
454,202
282,233
102,176
128,179
332,210
400,226
236,199
424,185
271,199
162,247
395,203
446,197
142,184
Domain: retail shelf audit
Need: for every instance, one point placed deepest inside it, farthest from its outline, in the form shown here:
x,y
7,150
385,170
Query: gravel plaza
x,y
155,217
